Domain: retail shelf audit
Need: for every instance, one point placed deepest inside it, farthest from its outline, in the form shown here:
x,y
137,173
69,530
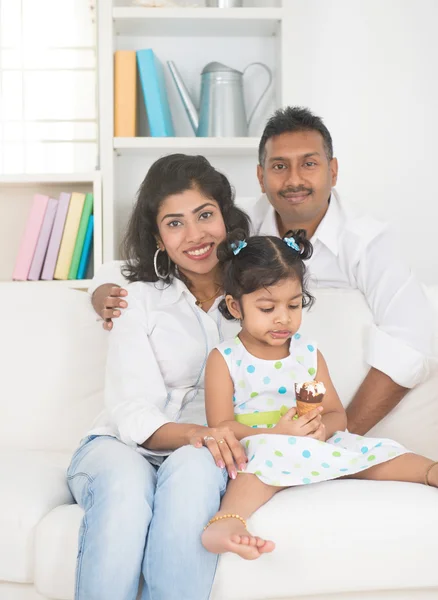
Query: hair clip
x,y
236,248
290,241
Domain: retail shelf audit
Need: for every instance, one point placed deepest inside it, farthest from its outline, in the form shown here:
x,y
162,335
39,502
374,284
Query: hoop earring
x,y
157,272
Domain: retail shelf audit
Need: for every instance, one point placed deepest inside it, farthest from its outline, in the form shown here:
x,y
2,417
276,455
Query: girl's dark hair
x,y
169,175
264,261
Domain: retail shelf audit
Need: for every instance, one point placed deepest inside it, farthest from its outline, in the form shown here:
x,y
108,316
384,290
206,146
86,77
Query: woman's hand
x,y
306,425
224,447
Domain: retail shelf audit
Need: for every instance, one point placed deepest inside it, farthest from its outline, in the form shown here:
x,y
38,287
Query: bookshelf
x,y
201,21
16,195
191,37
211,146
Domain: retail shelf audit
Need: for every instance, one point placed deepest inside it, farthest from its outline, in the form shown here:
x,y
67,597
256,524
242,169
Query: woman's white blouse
x,y
156,359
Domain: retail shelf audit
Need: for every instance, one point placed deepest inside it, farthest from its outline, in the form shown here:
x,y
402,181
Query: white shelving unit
x,y
16,194
191,37
211,146
221,22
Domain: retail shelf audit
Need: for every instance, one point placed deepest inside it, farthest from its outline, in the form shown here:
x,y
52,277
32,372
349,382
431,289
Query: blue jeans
x,y
143,520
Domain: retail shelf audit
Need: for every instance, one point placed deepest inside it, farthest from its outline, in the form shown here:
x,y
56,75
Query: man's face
x,y
297,177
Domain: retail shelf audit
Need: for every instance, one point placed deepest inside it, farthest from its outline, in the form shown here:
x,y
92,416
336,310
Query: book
x,y
125,93
43,240
83,224
56,237
30,237
153,86
69,235
86,250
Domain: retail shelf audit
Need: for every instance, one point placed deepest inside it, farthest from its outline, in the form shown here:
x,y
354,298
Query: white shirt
x,y
358,252
155,365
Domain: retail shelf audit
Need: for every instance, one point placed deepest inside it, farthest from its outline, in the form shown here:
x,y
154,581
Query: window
x,y
48,99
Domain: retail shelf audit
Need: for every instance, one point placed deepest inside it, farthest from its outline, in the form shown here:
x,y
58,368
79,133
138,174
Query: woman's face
x,y
190,227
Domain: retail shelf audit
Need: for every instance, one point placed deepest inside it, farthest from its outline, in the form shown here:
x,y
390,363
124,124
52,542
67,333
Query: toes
x,y
244,539
259,542
253,541
236,539
267,547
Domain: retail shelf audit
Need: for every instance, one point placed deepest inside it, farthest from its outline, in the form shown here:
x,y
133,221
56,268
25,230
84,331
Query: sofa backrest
x,y
53,360
52,365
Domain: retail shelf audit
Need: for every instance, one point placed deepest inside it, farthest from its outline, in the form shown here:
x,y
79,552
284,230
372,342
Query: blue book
x,y
153,85
86,249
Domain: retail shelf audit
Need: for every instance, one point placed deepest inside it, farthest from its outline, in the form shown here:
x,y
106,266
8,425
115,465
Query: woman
x,y
150,474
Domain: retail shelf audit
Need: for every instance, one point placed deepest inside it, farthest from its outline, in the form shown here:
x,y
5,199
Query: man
x,y
297,173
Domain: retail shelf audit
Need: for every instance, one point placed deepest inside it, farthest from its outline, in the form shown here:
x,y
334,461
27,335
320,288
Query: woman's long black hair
x,y
170,175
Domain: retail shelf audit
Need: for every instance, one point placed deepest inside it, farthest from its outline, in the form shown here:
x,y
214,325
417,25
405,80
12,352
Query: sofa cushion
x,y
339,536
56,548
51,386
331,537
32,484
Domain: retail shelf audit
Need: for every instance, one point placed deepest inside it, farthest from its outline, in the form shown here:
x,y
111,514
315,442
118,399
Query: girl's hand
x,y
306,425
224,447
320,434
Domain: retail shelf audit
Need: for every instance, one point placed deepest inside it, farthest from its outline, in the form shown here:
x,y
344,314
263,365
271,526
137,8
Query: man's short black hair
x,y
289,120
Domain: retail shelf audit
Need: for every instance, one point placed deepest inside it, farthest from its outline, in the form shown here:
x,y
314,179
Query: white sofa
x,y
346,540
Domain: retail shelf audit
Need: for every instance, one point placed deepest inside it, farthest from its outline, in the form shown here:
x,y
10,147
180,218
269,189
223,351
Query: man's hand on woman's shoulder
x,y
108,301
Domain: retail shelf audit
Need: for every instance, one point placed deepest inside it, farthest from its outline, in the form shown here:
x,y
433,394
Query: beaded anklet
x,y
230,516
426,477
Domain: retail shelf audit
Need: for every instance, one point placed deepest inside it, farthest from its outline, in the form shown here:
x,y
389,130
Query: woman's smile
x,y
200,252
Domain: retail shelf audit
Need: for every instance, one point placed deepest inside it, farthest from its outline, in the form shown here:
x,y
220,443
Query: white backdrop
x,y
370,69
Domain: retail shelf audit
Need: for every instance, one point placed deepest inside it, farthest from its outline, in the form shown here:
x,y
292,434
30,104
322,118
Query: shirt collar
x,y
328,230
171,292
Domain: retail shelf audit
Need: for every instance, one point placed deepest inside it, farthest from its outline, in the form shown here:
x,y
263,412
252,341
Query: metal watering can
x,y
222,107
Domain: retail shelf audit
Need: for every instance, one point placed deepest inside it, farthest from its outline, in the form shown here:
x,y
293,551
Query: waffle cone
x,y
305,407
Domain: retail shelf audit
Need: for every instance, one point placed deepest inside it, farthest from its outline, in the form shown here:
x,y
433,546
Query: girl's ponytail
x,y
226,253
298,238
226,249
249,264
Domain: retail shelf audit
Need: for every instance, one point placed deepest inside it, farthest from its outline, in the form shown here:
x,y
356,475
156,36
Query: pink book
x,y
43,240
56,237
30,237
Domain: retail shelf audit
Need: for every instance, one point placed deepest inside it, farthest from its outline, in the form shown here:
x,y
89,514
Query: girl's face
x,y
272,315
190,227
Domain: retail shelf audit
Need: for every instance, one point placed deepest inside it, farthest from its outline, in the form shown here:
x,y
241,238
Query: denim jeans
x,y
143,520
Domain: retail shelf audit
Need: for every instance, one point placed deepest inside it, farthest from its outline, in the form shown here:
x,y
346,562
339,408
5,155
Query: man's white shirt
x,y
357,252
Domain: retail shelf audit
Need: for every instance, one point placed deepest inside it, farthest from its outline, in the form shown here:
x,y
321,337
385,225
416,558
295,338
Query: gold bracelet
x,y
230,516
426,477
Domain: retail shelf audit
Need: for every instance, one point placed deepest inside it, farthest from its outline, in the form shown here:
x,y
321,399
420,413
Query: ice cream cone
x,y
305,407
309,395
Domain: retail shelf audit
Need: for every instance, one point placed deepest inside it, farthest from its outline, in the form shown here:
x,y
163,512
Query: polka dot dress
x,y
264,389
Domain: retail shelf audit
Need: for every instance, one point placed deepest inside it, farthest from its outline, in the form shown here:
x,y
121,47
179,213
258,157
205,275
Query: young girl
x,y
249,386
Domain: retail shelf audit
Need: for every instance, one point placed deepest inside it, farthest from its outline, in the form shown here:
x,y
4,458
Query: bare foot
x,y
433,475
230,535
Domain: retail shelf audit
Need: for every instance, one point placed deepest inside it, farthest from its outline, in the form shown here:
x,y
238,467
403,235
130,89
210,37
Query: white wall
x,y
370,69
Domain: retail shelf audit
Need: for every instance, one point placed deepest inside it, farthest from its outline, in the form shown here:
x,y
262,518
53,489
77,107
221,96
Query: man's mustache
x,y
298,190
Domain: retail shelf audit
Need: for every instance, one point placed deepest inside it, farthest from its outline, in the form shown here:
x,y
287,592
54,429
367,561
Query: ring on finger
x,y
220,441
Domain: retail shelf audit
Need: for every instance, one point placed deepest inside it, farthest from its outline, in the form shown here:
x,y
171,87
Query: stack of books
x,y
57,239
150,72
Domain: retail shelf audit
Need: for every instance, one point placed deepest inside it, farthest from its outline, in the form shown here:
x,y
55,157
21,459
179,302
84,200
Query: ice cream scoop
x,y
309,395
